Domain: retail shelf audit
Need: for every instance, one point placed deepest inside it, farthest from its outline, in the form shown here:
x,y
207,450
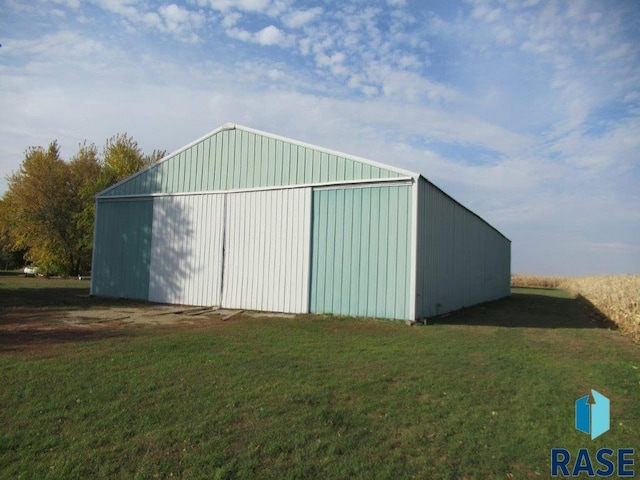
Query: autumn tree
x,y
122,158
38,209
85,169
9,256
48,209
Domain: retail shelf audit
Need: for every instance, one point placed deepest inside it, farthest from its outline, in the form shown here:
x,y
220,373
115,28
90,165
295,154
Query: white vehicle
x,y
31,270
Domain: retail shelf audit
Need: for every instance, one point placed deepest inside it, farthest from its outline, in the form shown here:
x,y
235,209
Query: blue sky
x,y
526,112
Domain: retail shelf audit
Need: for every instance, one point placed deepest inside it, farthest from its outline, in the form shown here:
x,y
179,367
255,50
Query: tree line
x,y
47,212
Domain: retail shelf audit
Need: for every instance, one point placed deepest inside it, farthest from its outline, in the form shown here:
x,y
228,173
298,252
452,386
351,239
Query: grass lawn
x,y
483,393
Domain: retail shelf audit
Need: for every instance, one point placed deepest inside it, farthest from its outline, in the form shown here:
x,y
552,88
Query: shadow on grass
x,y
11,273
540,308
38,339
68,298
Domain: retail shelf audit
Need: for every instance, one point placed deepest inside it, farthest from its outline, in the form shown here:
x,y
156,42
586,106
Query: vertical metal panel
x,y
231,159
122,249
461,260
267,239
361,249
186,250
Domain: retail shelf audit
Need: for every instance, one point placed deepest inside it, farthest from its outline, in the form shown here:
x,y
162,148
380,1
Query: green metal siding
x,y
122,249
235,159
361,251
461,259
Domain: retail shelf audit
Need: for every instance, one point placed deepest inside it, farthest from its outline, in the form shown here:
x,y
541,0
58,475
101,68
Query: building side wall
x,y
122,249
461,260
237,159
267,238
361,251
186,250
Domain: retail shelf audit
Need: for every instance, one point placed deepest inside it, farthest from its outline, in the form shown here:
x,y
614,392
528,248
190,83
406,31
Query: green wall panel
x,y
361,250
233,159
122,249
461,259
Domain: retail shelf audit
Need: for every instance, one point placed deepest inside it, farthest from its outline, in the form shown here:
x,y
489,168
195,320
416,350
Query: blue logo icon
x,y
592,418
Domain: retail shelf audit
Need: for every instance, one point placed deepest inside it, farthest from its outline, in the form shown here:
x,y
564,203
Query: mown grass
x,y
616,297
12,280
483,393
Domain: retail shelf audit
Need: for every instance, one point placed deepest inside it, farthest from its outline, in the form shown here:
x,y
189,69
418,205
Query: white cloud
x,y
268,36
631,97
275,74
180,21
230,19
122,7
174,15
486,13
409,85
326,61
358,82
64,44
75,4
240,34
152,19
503,34
615,148
370,90
375,55
305,46
244,5
300,18
530,46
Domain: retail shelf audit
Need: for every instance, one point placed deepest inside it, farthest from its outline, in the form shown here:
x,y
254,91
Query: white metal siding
x,y
186,250
267,250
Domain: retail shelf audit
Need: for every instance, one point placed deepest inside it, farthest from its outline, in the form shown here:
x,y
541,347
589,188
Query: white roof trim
x,y
234,126
372,182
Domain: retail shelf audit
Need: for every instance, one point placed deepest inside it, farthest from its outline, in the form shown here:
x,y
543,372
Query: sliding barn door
x,y
267,250
186,249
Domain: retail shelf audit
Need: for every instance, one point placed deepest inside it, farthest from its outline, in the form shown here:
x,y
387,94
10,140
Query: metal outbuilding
x,y
245,219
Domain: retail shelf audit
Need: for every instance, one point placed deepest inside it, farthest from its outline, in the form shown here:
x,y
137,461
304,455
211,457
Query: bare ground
x,y
32,317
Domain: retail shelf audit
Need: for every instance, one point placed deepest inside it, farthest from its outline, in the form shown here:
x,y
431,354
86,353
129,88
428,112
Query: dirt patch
x,y
152,315
33,318
100,317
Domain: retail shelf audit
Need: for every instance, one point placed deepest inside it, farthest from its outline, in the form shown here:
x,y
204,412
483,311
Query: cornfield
x,y
616,296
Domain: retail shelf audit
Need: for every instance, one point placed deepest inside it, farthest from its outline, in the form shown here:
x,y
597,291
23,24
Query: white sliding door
x,y
186,249
267,250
